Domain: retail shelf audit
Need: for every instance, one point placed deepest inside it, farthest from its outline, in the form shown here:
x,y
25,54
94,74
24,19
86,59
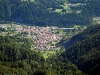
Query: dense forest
x,y
84,50
43,12
17,58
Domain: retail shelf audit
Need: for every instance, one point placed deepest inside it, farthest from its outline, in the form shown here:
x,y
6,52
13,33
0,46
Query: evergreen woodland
x,y
43,12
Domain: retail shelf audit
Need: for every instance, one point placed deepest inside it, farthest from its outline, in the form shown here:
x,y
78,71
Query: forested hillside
x,y
85,50
49,13
90,31
17,58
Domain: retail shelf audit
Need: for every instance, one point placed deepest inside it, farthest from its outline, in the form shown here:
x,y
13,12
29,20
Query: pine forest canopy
x,y
49,12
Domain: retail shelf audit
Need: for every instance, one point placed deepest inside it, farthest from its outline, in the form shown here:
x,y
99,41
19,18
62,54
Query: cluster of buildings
x,y
46,39
43,37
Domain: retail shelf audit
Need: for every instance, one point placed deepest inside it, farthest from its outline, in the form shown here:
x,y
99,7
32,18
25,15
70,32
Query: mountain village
x,y
44,38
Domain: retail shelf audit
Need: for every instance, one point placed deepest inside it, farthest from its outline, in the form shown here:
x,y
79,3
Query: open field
x,y
48,53
58,10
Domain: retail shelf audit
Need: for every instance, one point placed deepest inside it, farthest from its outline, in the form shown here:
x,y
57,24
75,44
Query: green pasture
x,y
48,53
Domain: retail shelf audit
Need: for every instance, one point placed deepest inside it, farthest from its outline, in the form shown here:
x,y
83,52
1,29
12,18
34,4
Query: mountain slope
x,y
17,58
87,33
85,53
44,12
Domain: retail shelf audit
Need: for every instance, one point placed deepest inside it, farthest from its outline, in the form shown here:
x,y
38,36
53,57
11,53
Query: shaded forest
x,y
84,50
38,13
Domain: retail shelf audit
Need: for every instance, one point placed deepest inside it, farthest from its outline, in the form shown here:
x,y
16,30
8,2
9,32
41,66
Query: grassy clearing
x,y
45,53
58,10
48,53
32,0
76,26
66,7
